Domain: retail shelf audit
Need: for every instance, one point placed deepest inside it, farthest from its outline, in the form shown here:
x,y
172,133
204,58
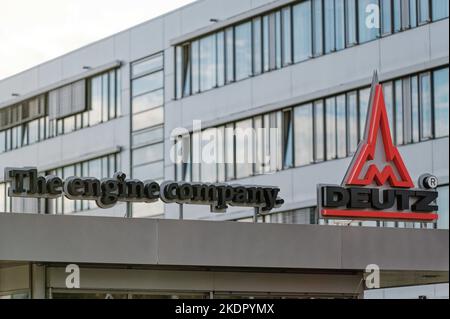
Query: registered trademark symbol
x,y
428,181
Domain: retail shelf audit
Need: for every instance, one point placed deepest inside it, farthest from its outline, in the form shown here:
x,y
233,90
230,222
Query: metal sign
x,y
377,184
25,182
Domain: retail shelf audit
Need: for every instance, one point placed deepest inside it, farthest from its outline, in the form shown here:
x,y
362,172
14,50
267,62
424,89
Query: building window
x,y
440,9
351,18
302,31
366,29
147,109
208,63
317,27
443,202
243,49
325,129
304,153
440,96
291,34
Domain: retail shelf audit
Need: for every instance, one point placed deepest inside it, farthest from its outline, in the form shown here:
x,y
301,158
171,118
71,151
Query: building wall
x,y
400,54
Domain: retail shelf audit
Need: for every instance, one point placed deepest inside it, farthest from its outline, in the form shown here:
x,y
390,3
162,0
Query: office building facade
x,y
301,70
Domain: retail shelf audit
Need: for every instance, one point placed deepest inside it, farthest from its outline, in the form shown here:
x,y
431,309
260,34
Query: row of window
x,y
147,129
310,215
103,104
293,34
102,167
321,130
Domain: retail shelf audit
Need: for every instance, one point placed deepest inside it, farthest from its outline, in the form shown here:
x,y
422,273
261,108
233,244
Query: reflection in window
x,y
229,57
340,24
303,135
302,31
440,9
257,46
413,13
287,139
330,128
243,44
389,102
364,96
415,123
207,62
329,26
319,143
386,17
351,22
399,112
366,27
352,111
424,11
341,126
244,148
286,32
425,107
440,94
317,27
397,6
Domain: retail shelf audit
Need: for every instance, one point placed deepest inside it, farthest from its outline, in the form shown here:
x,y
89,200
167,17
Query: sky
x,y
35,31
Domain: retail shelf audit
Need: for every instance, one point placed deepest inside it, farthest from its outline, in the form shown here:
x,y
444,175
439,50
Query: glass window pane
x,y
413,13
364,96
148,136
330,114
340,24
33,131
229,54
440,95
69,205
244,148
341,127
287,140
386,17
148,83
351,22
302,31
443,202
329,26
146,66
367,26
95,114
287,36
2,142
399,113
278,37
148,119
179,71
152,171
415,109
243,51
229,151
148,154
319,132
208,62
220,58
397,15
303,135
318,28
424,11
440,9
266,44
148,101
352,121
257,46
195,55
389,102
209,156
425,107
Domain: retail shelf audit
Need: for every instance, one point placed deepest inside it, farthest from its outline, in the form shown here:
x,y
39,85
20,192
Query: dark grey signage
x,y
25,182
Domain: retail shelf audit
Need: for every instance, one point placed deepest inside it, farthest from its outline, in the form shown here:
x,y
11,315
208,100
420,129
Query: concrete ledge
x,y
148,242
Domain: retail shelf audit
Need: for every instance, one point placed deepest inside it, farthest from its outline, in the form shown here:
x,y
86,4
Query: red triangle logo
x,y
364,170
